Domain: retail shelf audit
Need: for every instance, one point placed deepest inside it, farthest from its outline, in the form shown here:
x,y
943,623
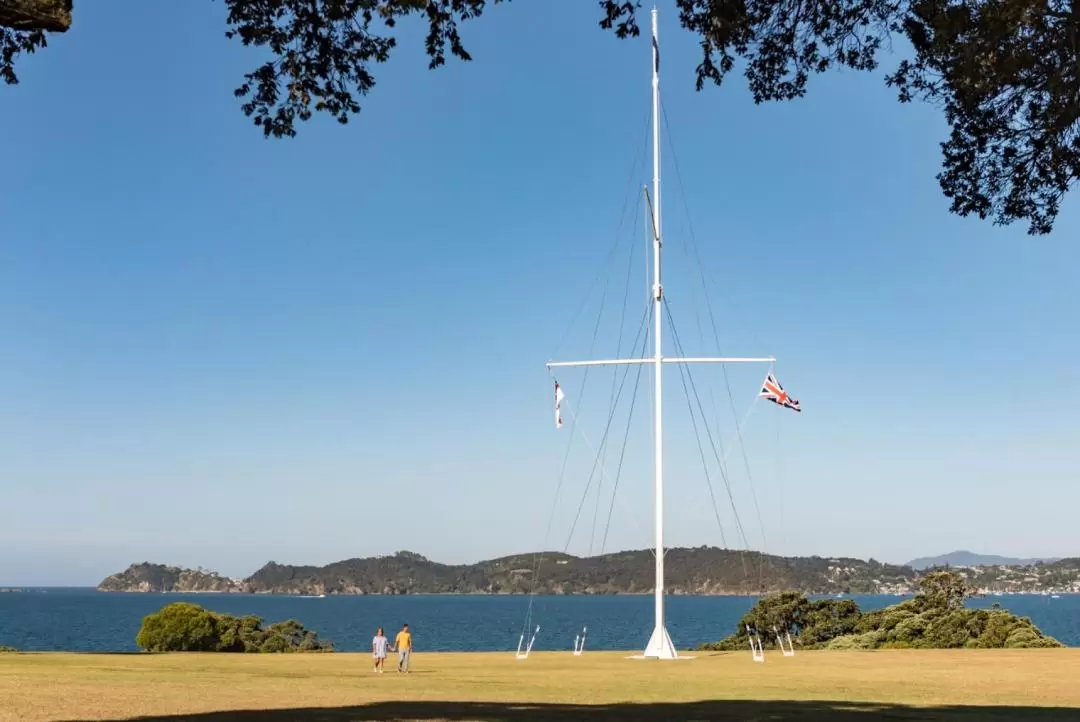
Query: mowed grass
x,y
945,684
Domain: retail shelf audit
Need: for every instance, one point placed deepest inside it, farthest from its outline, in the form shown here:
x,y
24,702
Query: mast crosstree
x,y
660,645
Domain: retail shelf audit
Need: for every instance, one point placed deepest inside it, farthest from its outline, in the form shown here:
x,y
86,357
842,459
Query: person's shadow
x,y
708,710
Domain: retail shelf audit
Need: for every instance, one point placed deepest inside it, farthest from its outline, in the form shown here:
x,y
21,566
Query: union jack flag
x,y
773,391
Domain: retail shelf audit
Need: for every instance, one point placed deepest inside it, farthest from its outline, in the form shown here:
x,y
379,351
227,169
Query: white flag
x,y
558,401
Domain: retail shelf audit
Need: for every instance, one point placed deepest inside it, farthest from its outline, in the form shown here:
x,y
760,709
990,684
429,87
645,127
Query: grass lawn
x,y
945,684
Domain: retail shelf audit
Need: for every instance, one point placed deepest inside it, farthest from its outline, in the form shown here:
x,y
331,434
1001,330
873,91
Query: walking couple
x,y
402,645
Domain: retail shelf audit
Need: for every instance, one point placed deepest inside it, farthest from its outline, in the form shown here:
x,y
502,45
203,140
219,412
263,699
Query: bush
x,y
934,619
179,627
244,634
7,650
909,632
186,627
1027,637
867,640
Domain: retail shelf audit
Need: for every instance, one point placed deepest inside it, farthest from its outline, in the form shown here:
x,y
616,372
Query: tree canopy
x,y
1006,73
935,618
186,627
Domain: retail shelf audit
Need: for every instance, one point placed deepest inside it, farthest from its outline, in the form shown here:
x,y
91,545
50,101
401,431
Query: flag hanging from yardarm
x,y
558,402
773,391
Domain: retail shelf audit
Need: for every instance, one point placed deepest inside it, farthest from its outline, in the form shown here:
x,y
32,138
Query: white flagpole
x,y
659,645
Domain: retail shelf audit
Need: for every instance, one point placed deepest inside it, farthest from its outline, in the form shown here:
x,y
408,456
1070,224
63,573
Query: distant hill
x,y
147,577
971,559
701,570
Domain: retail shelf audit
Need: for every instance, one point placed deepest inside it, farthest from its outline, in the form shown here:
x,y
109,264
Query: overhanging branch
x,y
51,15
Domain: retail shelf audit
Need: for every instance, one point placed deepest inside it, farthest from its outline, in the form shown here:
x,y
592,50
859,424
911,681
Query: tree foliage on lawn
x,y
186,627
934,619
1006,73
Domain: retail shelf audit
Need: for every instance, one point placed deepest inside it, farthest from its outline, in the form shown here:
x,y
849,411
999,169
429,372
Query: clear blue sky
x,y
220,350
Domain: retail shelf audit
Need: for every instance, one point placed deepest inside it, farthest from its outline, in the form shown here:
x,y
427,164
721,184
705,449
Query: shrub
x,y
867,640
1025,636
910,631
179,627
7,650
186,627
289,636
242,634
934,619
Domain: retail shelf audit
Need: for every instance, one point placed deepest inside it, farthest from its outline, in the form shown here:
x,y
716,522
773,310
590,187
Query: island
x,y
696,571
147,577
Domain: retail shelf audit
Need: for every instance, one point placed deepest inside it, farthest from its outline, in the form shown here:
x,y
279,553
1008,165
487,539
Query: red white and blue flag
x,y
773,391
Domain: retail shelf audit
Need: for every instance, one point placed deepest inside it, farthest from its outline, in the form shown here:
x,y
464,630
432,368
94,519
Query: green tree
x,y
243,634
944,590
810,623
179,627
935,619
1006,73
290,636
185,627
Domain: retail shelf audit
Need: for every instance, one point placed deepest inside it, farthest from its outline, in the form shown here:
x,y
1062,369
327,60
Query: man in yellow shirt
x,y
403,644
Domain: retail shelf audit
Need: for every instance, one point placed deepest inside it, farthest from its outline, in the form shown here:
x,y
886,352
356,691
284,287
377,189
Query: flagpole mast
x,y
660,645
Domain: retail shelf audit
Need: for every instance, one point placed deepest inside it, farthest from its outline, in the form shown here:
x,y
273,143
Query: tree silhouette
x,y
1006,73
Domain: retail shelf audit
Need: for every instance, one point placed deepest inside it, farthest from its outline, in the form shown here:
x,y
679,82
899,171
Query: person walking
x,y
378,649
403,644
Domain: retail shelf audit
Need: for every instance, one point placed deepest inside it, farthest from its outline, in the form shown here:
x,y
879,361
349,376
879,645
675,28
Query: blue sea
x,y
85,620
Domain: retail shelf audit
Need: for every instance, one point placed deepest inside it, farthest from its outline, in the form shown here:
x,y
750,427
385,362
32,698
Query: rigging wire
x,y
626,436
607,427
716,336
695,246
638,157
720,463
780,482
701,453
614,377
538,557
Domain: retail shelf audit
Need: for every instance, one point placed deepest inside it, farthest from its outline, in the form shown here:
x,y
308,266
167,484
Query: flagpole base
x,y
660,647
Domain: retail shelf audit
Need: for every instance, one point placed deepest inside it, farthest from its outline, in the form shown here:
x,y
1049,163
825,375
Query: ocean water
x,y
84,620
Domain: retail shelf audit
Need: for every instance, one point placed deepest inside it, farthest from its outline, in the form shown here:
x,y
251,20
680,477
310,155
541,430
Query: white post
x,y
579,642
660,645
789,650
757,651
529,646
531,641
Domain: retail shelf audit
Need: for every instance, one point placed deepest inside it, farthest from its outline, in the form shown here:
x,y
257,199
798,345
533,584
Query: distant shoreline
x,y
297,595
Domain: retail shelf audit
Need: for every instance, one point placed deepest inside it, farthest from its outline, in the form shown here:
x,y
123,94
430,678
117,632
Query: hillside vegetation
x,y
147,577
701,570
934,619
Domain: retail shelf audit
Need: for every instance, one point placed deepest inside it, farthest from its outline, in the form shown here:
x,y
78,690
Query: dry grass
x,y
962,684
